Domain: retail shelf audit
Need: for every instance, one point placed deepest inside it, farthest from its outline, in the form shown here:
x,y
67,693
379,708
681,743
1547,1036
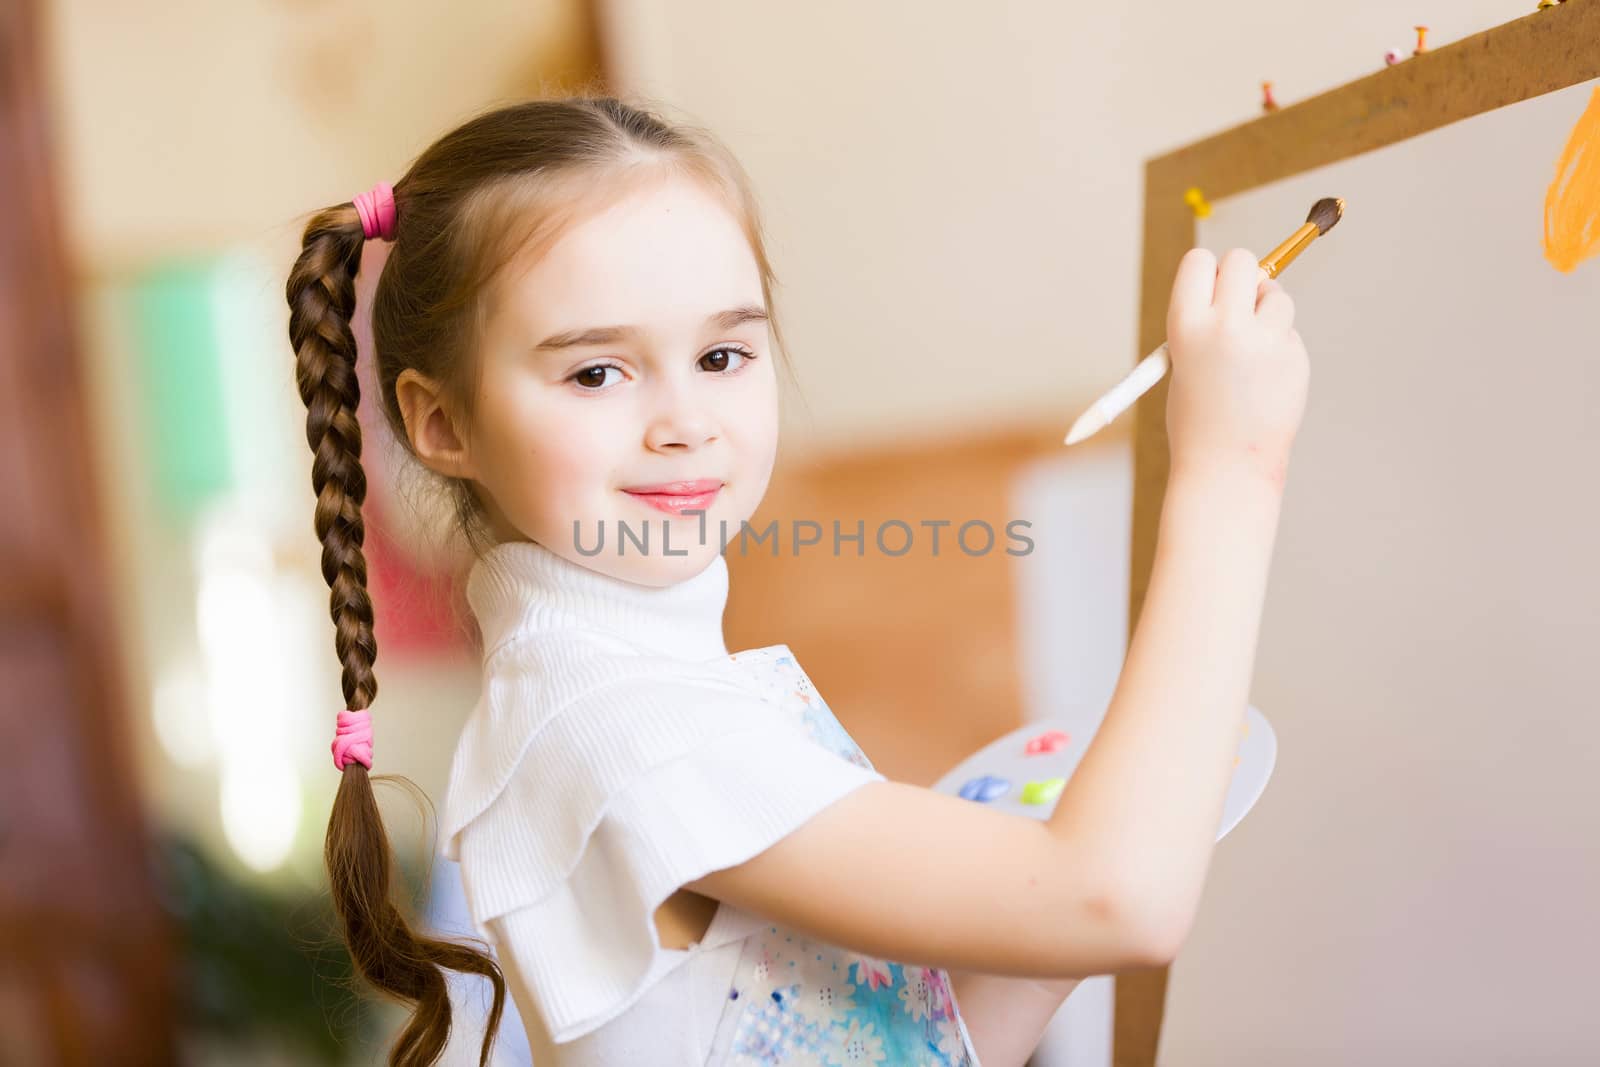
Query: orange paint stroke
x,y
1572,204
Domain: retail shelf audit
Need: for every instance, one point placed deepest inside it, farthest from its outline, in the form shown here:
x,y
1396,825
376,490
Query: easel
x,y
1539,53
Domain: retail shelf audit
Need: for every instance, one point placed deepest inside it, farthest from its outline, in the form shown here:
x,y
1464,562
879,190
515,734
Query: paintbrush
x,y
1324,214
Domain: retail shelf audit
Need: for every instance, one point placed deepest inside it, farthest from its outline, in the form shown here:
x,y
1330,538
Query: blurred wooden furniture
x,y
84,956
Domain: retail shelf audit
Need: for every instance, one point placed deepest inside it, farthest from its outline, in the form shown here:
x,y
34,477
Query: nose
x,y
680,417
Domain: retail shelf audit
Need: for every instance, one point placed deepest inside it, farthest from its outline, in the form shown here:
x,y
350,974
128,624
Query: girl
x,y
676,853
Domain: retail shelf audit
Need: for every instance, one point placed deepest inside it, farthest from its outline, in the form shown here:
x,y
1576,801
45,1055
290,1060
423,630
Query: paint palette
x,y
1025,771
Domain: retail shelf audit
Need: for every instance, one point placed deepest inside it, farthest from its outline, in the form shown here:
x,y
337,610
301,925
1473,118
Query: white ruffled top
x,y
616,753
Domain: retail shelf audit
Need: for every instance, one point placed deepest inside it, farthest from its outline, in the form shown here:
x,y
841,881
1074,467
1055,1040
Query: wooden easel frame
x,y
1539,53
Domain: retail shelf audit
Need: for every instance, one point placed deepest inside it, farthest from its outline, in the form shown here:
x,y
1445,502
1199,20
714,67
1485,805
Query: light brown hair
x,y
506,182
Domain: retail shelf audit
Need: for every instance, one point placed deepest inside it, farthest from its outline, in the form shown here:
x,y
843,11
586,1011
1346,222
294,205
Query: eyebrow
x,y
604,335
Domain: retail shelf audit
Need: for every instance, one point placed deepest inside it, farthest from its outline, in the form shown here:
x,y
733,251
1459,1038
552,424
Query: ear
x,y
429,426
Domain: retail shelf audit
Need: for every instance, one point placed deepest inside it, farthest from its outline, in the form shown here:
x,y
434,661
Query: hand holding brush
x,y
1324,214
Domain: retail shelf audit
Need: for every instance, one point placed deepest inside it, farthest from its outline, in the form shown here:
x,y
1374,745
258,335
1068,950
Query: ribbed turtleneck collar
x,y
521,587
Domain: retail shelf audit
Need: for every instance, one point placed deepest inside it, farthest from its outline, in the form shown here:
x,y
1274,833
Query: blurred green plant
x,y
259,967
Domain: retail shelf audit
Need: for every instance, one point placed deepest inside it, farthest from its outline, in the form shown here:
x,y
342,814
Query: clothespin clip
x,y
1392,56
1267,103
1197,201
1422,32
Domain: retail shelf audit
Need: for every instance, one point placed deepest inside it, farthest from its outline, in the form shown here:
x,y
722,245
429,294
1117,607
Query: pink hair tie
x,y
377,211
352,739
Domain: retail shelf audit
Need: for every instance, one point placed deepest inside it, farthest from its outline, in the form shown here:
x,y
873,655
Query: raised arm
x,y
1111,881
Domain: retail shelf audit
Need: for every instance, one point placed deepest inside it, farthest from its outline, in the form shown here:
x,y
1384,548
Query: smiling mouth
x,y
677,497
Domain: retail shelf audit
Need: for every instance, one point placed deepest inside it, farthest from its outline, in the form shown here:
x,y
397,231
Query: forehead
x,y
670,251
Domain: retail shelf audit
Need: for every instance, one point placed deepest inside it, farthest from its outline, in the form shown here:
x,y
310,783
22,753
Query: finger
x,y
1238,275
1276,309
1195,281
1268,285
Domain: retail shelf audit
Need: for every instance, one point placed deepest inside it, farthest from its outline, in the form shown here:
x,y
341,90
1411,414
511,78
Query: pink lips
x,y
675,497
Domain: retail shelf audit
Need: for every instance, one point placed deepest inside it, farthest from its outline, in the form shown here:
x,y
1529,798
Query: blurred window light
x,y
178,707
246,639
260,808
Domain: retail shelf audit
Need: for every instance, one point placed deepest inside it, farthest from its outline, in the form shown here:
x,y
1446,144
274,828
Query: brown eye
x,y
722,368
591,378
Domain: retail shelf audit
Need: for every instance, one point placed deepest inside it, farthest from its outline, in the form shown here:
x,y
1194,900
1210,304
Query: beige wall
x,y
954,189
194,124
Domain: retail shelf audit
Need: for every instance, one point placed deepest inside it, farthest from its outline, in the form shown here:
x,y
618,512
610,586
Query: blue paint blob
x,y
985,788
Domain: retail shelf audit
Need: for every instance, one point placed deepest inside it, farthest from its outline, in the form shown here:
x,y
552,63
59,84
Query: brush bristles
x,y
1326,212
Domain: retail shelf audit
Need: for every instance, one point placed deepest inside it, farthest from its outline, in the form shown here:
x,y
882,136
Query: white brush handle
x,y
1121,396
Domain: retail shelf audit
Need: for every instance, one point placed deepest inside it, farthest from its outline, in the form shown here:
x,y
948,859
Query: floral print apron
x,y
798,1002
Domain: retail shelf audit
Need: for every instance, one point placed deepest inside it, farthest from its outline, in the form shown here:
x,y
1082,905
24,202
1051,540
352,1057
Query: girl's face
x,y
633,353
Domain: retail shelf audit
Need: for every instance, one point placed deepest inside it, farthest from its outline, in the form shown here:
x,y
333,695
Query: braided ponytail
x,y
397,960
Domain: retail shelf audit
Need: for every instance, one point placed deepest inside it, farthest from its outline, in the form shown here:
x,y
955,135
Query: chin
x,y
694,544
660,570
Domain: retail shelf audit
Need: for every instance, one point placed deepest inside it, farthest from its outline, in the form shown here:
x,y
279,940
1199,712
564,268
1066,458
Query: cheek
x,y
754,435
559,456
754,421
559,478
